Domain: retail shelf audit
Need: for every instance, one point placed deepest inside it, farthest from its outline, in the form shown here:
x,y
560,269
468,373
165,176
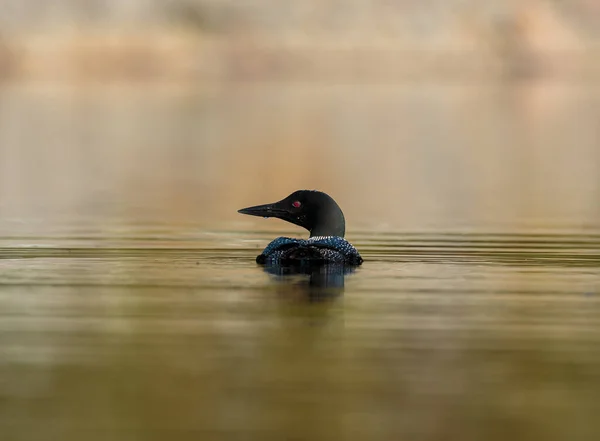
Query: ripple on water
x,y
188,334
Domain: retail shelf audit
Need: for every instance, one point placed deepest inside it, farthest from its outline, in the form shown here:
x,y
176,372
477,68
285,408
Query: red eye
x,y
296,204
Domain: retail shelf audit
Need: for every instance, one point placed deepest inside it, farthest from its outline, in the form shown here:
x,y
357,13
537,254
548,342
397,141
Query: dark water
x,y
467,336
131,307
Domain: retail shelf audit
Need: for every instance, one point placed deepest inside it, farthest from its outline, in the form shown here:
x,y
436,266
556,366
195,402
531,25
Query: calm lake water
x,y
131,307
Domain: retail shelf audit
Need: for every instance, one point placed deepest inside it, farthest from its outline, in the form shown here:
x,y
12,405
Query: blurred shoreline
x,y
534,40
180,56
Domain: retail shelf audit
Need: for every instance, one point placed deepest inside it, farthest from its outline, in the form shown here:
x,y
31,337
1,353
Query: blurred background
x,y
443,112
460,137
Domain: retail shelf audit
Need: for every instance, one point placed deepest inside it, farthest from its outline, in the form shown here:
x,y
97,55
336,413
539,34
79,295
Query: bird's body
x,y
318,213
314,250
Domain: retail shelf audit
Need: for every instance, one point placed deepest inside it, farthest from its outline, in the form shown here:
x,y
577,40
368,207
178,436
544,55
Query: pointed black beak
x,y
266,210
283,209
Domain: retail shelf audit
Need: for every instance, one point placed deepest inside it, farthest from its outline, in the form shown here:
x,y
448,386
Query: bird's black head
x,y
313,210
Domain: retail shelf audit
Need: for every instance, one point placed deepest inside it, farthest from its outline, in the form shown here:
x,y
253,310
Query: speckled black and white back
x,y
317,249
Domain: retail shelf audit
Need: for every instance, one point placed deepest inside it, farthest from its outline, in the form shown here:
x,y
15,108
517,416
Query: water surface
x,y
131,306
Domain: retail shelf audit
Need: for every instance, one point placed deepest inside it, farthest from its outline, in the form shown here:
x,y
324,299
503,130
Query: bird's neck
x,y
330,224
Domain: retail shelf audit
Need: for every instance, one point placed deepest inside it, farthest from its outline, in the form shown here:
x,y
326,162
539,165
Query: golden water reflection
x,y
407,157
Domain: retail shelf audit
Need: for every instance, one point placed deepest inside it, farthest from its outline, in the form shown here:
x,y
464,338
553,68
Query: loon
x,y
322,217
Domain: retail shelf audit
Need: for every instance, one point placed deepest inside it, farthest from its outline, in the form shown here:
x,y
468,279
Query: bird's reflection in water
x,y
311,282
